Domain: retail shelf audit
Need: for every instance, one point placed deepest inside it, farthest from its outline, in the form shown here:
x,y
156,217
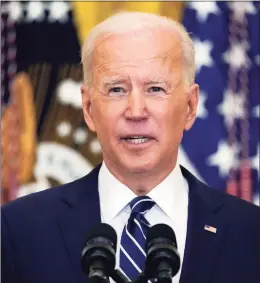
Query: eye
x,y
155,89
116,90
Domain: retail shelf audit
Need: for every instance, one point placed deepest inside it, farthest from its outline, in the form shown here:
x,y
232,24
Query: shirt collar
x,y
170,195
113,195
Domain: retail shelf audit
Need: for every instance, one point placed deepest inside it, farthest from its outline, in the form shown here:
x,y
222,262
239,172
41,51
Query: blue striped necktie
x,y
132,248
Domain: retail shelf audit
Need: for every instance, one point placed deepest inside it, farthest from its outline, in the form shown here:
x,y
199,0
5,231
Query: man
x,y
139,96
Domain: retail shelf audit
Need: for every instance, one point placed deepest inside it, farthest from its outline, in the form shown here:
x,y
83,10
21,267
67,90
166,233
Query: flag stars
x,y
204,9
240,9
202,112
59,11
35,11
13,9
225,158
232,107
236,56
202,54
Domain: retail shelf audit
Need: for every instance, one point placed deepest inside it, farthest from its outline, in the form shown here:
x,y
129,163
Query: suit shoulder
x,y
215,197
237,203
45,199
244,209
235,207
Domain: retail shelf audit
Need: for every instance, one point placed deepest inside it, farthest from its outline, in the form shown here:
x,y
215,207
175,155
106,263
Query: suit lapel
x,y
203,248
81,213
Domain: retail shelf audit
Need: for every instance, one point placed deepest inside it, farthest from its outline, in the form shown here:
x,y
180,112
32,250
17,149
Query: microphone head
x,y
103,230
99,250
161,250
160,231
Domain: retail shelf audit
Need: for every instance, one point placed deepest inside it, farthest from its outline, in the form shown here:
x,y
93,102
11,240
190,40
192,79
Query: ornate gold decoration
x,y
18,129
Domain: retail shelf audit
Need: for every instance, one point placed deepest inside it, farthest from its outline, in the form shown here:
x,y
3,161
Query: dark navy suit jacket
x,y
43,235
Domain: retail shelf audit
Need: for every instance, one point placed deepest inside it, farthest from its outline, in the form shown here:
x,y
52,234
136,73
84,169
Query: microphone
x,y
162,260
98,255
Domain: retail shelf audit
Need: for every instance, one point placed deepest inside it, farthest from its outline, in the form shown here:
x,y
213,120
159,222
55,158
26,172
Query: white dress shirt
x,y
171,206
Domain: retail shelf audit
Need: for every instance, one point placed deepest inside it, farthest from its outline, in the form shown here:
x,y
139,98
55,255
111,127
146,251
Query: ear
x,y
87,107
193,99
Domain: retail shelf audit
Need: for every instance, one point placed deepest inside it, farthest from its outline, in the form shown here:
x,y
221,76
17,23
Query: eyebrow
x,y
158,81
115,81
111,82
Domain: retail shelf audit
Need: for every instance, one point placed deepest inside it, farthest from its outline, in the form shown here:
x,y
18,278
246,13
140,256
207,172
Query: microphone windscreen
x,y
160,231
103,230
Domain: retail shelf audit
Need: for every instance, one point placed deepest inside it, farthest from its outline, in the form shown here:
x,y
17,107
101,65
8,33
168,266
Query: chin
x,y
138,166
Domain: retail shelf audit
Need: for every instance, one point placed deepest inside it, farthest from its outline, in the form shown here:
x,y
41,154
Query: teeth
x,y
137,140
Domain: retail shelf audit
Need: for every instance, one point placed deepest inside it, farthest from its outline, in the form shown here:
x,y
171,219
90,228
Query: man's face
x,y
138,103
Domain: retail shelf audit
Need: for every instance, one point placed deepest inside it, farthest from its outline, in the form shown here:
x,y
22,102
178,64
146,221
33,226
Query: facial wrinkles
x,y
160,66
105,45
166,63
142,88
169,58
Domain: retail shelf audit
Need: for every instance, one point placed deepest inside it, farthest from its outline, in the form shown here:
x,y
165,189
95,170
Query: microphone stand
x,y
119,277
140,279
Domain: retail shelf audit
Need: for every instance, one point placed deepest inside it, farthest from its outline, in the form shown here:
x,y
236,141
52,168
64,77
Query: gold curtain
x,y
88,14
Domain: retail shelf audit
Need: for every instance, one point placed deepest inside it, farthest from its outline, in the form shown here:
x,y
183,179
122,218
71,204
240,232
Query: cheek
x,y
171,117
178,108
105,115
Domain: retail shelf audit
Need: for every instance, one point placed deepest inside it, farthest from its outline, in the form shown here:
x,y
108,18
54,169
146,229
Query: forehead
x,y
145,53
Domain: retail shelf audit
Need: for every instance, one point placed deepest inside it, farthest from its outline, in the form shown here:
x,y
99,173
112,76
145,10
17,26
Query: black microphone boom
x,y
98,255
162,260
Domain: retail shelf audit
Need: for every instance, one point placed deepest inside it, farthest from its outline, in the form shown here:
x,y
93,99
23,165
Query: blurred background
x,y
44,139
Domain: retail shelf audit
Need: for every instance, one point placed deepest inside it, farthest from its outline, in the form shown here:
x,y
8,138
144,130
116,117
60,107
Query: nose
x,y
136,109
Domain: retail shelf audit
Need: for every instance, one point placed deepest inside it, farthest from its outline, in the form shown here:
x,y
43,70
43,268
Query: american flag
x,y
210,229
223,145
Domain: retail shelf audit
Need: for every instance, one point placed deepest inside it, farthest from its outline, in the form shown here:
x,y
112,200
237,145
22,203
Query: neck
x,y
141,183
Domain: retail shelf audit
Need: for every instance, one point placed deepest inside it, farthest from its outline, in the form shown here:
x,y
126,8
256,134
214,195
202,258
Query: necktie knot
x,y
141,204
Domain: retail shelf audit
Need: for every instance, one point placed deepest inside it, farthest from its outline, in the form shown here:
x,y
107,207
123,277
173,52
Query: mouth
x,y
137,139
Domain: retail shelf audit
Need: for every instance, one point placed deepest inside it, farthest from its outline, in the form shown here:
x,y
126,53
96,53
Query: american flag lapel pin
x,y
210,229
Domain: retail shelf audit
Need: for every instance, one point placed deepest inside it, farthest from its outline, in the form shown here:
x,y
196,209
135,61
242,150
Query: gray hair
x,y
127,22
